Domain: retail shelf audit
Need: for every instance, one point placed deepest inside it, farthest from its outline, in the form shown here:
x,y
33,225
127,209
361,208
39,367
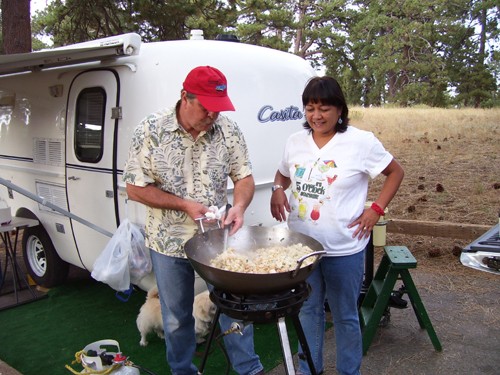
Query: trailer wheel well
x,y
40,257
24,212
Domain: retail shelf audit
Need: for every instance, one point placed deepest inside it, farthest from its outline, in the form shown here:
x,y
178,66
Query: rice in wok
x,y
273,259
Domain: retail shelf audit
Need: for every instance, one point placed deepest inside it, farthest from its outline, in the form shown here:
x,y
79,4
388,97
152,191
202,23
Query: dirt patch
x,y
464,310
451,176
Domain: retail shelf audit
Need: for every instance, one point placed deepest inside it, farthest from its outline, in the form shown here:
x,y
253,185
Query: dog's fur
x,y
149,318
203,312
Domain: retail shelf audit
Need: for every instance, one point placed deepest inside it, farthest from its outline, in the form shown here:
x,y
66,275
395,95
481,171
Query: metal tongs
x,y
212,217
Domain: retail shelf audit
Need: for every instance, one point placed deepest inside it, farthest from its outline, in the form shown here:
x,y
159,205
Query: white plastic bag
x,y
124,260
139,259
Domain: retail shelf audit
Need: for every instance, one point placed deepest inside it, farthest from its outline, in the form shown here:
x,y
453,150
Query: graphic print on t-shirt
x,y
311,188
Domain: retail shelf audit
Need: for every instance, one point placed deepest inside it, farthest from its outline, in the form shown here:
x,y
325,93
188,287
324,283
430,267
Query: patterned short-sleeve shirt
x,y
164,154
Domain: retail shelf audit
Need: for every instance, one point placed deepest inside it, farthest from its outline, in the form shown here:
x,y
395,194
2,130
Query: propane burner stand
x,y
265,308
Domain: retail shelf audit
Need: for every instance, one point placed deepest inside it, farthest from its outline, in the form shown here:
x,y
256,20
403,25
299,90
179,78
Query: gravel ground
x,y
5,369
464,311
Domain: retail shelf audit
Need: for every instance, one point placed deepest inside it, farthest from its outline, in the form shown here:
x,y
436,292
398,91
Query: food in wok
x,y
204,247
272,259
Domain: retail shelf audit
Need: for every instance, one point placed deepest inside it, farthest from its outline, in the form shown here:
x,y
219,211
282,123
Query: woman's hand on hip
x,y
364,223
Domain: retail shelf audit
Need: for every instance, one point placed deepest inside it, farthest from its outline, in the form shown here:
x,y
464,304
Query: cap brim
x,y
216,103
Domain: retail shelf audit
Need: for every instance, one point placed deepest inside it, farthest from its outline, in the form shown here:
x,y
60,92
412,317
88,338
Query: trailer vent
x,y
53,194
48,151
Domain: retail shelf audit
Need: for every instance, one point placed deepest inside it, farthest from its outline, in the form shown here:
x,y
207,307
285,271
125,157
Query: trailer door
x,y
90,159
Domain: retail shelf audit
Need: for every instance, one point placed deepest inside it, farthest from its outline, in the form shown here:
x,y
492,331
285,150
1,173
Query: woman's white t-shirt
x,y
330,185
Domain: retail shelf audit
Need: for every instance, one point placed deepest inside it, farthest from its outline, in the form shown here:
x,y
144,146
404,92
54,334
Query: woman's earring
x,y
339,121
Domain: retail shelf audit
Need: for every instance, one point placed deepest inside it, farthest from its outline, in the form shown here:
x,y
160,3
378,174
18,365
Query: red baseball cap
x,y
210,87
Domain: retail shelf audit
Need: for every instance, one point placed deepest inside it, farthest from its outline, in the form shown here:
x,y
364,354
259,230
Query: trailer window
x,y
89,126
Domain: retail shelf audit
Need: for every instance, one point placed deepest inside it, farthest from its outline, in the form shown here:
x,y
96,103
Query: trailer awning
x,y
102,49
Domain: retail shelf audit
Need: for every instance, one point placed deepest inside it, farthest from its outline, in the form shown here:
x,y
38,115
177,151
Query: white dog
x,y
149,318
203,312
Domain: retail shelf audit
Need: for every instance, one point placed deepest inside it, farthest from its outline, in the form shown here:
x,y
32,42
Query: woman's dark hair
x,y
327,91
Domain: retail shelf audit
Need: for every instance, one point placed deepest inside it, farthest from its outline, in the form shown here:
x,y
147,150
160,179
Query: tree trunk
x,y
482,48
16,26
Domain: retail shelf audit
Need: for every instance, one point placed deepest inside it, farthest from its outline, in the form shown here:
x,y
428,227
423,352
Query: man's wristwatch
x,y
276,187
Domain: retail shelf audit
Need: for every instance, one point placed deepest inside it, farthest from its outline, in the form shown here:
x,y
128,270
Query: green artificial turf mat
x,y
43,336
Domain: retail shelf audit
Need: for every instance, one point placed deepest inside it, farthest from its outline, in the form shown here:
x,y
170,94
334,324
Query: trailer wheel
x,y
42,262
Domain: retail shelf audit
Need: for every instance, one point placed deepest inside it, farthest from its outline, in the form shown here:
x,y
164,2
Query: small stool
x,y
394,266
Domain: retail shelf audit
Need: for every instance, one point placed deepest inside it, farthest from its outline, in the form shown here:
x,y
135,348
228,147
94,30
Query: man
x,y
178,166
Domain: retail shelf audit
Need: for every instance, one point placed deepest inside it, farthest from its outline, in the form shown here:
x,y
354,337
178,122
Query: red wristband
x,y
375,207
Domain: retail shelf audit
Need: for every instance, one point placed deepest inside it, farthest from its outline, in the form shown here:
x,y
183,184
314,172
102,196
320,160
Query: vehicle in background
x,y
66,120
484,252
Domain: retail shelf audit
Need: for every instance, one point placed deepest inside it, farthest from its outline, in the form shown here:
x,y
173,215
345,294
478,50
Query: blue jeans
x,y
175,280
339,279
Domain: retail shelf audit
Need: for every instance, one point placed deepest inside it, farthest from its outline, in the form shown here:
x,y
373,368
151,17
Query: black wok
x,y
204,247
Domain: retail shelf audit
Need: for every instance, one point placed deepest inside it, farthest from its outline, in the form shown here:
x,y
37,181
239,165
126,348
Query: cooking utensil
x,y
211,219
203,247
226,228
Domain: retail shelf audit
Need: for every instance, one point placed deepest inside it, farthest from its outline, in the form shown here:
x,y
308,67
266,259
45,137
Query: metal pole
x,y
303,343
369,258
215,321
368,277
52,206
285,347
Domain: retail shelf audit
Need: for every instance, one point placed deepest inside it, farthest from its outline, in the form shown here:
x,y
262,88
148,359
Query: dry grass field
x,y
451,159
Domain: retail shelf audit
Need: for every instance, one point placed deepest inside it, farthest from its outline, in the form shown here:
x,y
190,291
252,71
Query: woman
x,y
327,167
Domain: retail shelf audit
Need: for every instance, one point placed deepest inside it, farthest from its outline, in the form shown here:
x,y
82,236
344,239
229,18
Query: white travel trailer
x,y
66,119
